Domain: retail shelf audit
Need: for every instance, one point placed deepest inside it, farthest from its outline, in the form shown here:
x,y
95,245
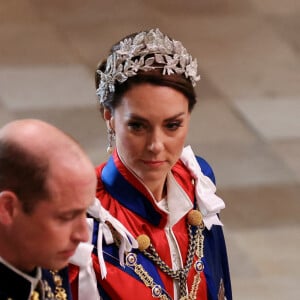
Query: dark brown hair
x,y
23,174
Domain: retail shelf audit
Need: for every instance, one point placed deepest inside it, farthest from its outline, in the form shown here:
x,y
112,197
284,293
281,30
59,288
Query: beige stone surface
x,y
272,119
42,87
246,123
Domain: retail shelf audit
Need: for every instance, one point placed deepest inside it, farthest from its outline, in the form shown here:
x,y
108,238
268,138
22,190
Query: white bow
x,y
83,255
127,240
87,283
209,203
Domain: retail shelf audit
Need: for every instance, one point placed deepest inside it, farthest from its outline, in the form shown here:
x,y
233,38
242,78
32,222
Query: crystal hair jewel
x,y
148,50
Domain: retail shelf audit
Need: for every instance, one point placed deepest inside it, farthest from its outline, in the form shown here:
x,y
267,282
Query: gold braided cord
x,y
180,274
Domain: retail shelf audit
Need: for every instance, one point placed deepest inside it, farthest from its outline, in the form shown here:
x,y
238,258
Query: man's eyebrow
x,y
76,211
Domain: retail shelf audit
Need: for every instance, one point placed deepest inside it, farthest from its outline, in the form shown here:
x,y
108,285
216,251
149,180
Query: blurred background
x,y
246,124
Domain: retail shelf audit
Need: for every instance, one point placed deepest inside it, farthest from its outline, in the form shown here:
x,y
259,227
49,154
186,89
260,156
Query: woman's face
x,y
151,125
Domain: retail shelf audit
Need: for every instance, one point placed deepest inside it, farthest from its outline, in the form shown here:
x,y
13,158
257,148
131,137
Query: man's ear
x,y
9,203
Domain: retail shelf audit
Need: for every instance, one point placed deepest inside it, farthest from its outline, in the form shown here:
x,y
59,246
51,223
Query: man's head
x,y
46,184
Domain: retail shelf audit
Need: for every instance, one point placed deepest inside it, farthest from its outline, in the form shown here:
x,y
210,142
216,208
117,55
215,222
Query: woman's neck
x,y
158,188
158,191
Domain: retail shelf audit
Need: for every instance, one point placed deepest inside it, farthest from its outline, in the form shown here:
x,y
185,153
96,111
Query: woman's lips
x,y
153,163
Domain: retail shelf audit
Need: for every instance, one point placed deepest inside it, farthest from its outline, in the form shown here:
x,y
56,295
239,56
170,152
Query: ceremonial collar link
x,y
195,247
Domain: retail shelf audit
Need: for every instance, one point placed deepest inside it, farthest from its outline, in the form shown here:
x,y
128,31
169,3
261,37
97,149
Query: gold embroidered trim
x,y
59,292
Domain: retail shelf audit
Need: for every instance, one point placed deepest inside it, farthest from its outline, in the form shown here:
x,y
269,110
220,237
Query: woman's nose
x,y
155,143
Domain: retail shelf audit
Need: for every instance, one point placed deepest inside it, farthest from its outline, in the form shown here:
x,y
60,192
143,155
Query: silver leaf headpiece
x,y
148,50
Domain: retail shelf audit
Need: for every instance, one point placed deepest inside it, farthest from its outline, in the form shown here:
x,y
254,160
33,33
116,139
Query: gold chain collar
x,y
195,247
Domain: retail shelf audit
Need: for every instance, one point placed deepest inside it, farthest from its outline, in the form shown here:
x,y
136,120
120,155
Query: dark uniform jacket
x,y
15,285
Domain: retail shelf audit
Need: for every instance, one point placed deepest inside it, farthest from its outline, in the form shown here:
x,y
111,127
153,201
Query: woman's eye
x,y
136,126
173,125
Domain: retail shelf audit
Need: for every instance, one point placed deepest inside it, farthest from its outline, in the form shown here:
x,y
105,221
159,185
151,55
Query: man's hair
x,y
23,173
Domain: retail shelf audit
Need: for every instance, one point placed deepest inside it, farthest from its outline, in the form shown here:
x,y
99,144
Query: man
x,y
46,184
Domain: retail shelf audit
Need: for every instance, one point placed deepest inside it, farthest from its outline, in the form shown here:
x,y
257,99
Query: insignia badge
x,y
131,259
156,291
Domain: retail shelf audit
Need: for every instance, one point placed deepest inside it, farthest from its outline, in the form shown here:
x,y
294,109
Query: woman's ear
x,y
9,204
107,114
109,119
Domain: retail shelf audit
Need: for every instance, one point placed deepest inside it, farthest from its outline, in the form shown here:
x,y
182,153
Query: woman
x,y
162,195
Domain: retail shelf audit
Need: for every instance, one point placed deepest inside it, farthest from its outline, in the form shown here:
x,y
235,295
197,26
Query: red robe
x,y
122,194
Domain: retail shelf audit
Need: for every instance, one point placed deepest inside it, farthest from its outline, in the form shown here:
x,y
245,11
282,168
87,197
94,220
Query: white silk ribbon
x,y
127,240
87,283
83,254
209,203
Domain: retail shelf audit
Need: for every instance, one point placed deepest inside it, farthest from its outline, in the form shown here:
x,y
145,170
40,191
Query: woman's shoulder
x,y
206,168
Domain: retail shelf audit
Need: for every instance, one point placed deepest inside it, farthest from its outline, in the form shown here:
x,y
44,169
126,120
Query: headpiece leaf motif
x,y
162,53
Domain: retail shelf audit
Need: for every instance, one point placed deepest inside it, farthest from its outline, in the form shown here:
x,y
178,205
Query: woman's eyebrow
x,y
136,117
175,116
139,118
